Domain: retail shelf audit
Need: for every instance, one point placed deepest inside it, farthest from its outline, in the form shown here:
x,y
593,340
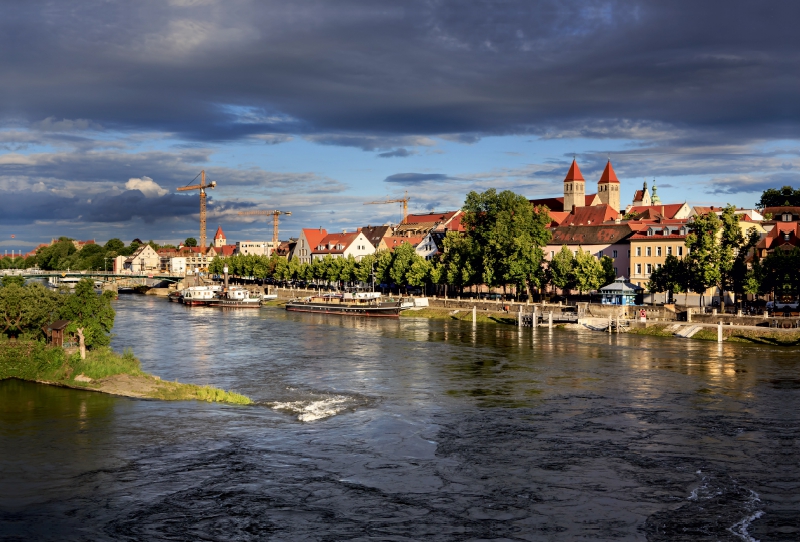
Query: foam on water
x,y
309,411
740,527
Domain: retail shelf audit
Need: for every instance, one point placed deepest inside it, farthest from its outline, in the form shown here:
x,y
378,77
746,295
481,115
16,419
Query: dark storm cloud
x,y
360,69
19,208
415,178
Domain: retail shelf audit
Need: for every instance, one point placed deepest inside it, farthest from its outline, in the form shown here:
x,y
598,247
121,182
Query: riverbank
x,y
766,336
103,371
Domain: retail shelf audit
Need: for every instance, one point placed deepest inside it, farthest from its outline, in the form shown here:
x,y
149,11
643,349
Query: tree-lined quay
x,y
499,245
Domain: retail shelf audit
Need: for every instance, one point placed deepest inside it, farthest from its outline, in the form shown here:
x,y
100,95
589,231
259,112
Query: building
x,y
783,230
621,292
342,245
641,198
670,211
391,243
608,188
650,248
143,260
417,225
219,238
309,239
612,240
256,248
374,234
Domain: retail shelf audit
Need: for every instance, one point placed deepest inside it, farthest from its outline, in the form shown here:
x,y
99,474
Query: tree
x,y
114,245
703,260
671,277
561,269
460,257
587,271
25,310
773,197
91,316
190,242
363,271
608,276
509,235
780,276
419,273
402,260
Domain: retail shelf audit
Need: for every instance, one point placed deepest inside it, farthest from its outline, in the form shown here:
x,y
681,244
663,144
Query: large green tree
x,y
561,269
774,197
587,271
91,315
509,234
26,309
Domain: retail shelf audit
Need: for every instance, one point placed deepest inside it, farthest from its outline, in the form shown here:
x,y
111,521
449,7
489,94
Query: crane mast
x,y
202,188
403,200
275,214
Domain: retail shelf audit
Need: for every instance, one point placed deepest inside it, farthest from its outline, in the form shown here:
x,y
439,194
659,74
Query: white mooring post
x,y
534,318
550,320
474,315
719,332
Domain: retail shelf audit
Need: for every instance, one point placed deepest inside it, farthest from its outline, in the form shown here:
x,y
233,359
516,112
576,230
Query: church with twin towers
x,y
605,201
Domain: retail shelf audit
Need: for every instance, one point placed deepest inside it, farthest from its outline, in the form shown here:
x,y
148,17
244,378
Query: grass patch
x,y
109,372
274,303
652,331
175,391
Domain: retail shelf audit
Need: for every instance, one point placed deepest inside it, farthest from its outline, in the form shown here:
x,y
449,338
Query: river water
x,y
408,429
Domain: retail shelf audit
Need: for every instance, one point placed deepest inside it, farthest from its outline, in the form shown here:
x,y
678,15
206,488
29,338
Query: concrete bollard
x,y
474,315
534,319
719,332
550,320
688,314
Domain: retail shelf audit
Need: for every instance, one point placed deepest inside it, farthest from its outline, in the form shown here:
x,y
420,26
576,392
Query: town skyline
x,y
107,110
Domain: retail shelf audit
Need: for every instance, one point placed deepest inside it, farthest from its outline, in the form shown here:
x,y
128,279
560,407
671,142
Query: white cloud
x,y
146,186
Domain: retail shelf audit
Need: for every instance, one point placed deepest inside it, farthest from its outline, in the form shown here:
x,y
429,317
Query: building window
x,y
638,269
649,268
600,254
669,251
658,251
552,254
614,253
638,251
615,272
680,251
649,251
629,255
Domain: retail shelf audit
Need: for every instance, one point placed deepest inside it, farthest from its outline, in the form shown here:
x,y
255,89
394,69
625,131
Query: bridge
x,y
97,275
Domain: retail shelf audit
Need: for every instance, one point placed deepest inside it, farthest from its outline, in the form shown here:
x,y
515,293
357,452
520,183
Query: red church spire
x,y
219,234
608,175
574,173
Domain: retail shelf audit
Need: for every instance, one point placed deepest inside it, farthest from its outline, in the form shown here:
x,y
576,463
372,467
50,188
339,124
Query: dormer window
x,y
786,236
787,217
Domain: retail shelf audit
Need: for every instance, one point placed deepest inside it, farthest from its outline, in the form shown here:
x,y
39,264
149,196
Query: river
x,y
408,429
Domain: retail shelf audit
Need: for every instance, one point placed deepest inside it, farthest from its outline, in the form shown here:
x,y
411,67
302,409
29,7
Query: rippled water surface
x,y
406,430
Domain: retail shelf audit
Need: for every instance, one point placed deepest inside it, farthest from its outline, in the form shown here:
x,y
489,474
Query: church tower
x,y
219,238
574,188
608,188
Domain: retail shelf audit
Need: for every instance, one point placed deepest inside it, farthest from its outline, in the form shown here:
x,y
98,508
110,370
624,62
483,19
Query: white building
x,y
342,245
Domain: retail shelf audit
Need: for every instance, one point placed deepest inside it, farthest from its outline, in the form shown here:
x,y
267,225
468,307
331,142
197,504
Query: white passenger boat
x,y
199,295
236,298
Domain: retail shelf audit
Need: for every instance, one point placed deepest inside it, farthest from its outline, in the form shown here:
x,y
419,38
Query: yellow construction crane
x,y
202,187
275,215
403,200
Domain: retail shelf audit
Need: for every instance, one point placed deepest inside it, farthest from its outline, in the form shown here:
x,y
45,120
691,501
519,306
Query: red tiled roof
x,y
590,215
557,204
638,195
644,237
667,211
608,175
328,244
557,217
574,173
393,242
429,217
314,236
219,234
604,234
775,237
225,250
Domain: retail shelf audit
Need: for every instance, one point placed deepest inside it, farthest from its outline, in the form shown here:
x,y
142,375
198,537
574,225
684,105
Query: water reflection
x,y
409,429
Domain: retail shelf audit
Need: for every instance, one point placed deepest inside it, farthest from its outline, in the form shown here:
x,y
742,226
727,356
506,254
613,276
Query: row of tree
x,y
26,310
718,253
63,255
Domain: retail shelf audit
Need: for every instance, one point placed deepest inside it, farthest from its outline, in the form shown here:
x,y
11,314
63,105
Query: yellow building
x,y
650,248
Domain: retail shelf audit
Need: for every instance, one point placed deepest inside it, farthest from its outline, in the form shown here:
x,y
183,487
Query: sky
x,y
315,107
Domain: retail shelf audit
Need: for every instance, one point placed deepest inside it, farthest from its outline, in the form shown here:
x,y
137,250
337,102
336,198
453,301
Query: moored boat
x,y
199,295
236,298
360,304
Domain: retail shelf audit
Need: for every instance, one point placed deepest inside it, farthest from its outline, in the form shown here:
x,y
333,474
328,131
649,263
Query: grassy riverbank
x,y
731,334
103,370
